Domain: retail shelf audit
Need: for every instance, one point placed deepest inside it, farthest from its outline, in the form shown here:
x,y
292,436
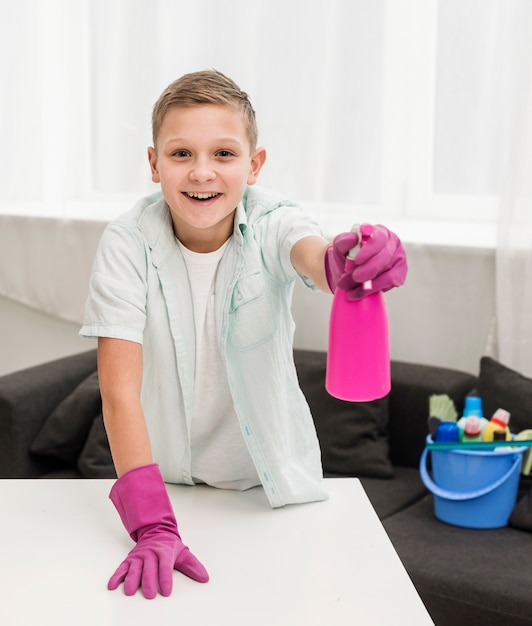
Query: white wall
x,y
29,337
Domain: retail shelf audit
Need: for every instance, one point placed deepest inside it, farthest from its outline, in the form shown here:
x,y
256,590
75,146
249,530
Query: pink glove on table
x,y
144,507
381,259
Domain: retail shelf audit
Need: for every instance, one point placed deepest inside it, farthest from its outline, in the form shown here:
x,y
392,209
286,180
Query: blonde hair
x,y
205,87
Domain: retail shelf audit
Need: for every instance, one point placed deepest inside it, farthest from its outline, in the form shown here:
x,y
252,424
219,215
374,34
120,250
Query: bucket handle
x,y
461,495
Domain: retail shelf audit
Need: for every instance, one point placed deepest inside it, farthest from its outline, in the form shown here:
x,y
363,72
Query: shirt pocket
x,y
251,316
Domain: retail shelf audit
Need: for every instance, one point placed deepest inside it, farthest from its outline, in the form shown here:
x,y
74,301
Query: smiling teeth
x,y
202,196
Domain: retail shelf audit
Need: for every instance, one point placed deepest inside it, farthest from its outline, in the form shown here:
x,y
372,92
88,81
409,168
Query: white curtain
x,y
483,146
400,107
80,77
514,249
379,109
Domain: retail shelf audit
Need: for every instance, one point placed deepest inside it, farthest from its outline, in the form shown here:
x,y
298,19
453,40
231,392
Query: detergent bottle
x,y
472,429
358,356
499,422
472,408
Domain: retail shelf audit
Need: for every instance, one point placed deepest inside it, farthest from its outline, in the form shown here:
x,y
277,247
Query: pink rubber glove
x,y
144,507
381,259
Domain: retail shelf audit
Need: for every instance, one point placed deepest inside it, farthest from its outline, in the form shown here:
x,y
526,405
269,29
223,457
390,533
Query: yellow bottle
x,y
499,421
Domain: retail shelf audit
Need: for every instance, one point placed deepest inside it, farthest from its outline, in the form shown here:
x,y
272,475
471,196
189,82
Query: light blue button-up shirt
x,y
139,291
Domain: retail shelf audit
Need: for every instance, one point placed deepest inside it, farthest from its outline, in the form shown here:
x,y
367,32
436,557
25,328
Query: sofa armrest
x,y
27,398
412,386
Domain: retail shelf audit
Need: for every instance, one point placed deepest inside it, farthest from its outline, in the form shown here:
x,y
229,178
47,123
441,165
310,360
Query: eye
x,y
181,153
224,154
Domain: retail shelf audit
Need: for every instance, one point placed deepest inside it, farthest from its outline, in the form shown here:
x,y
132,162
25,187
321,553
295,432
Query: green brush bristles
x,y
443,407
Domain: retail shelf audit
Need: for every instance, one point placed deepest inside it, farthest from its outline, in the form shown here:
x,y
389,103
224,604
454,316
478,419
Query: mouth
x,y
201,196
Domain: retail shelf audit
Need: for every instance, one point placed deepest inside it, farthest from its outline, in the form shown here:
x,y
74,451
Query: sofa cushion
x,y
95,460
521,516
391,496
65,431
412,386
501,387
353,436
464,575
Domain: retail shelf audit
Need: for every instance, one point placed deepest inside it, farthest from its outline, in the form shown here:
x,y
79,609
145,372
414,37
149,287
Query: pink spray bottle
x,y
358,358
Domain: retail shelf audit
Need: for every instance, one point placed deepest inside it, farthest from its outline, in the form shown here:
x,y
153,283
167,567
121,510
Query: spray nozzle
x,y
365,232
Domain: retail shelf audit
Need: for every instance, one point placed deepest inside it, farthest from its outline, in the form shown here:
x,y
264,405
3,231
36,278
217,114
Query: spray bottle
x,y
358,358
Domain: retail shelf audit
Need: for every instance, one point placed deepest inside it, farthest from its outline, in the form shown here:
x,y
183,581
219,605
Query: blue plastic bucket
x,y
473,489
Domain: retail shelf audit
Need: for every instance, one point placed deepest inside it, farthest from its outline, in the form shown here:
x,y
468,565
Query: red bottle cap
x,y
472,427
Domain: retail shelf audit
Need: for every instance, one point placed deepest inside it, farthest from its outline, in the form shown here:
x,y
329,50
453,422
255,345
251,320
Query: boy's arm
x,y
139,494
308,258
120,378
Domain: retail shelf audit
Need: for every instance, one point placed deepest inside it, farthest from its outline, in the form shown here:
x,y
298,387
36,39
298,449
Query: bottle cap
x,y
473,426
473,406
502,417
447,431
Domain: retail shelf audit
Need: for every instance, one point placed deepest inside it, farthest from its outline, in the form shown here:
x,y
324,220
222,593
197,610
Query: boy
x,y
190,301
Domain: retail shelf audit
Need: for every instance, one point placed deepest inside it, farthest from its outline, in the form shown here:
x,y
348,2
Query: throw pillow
x,y
353,436
95,461
521,516
501,387
63,434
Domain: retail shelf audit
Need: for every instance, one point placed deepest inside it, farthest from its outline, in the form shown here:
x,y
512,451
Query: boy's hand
x,y
380,259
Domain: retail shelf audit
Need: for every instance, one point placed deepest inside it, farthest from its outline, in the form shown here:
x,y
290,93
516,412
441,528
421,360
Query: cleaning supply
x,y
441,409
442,406
499,435
477,446
358,356
473,487
499,421
142,502
472,429
472,408
447,432
525,435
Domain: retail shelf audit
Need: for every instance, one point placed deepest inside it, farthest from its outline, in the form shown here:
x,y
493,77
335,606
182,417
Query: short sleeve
x,y
116,304
278,231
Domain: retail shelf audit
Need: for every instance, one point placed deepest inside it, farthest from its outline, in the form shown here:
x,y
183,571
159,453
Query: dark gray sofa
x,y
51,426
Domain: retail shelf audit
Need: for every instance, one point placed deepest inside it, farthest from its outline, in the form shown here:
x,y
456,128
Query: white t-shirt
x,y
219,453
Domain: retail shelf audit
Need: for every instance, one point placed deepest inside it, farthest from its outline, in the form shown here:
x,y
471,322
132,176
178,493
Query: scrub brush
x,y
441,409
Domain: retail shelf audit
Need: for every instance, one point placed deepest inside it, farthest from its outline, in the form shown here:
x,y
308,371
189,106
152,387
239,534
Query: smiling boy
x,y
190,299
203,161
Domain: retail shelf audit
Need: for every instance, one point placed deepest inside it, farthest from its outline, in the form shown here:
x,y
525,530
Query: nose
x,y
202,171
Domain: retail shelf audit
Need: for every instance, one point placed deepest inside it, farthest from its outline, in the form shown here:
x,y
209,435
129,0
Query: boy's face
x,y
203,163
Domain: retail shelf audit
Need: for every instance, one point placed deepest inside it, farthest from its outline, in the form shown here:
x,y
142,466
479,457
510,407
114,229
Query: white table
x,y
325,564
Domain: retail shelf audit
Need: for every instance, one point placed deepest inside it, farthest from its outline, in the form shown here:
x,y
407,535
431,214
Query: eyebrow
x,y
218,141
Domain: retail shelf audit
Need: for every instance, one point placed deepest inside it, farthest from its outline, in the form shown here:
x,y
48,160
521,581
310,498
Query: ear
x,y
152,158
257,161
